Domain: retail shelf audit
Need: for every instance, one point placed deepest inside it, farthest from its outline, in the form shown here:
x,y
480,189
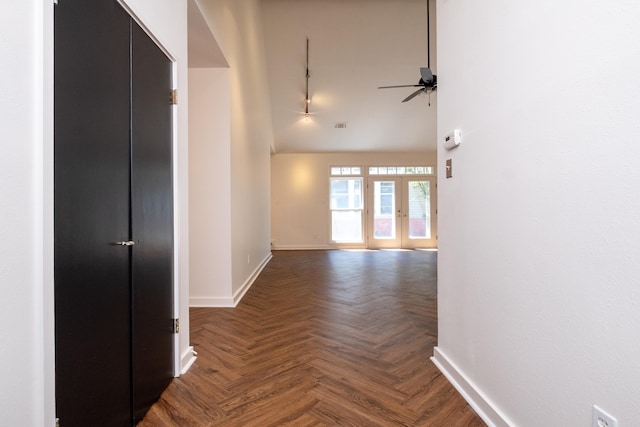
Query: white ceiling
x,y
204,51
354,47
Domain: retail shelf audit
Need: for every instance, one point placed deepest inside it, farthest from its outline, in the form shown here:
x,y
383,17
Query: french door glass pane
x,y
384,206
419,210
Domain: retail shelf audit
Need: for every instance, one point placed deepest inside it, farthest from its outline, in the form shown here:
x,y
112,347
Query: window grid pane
x,y
346,204
345,170
346,226
401,170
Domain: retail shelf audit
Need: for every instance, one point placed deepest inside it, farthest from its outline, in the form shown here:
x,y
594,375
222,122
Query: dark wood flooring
x,y
322,338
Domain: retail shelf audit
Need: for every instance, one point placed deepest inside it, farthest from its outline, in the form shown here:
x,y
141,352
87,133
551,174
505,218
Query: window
x,y
401,170
346,170
346,207
346,203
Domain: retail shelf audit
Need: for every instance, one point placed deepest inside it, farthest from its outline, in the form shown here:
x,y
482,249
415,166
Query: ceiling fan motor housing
x,y
431,83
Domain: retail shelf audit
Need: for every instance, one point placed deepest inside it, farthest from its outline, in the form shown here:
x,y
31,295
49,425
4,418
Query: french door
x,y
401,212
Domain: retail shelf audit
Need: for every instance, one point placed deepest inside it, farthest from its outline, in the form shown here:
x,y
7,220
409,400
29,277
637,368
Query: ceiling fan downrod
x,y
428,38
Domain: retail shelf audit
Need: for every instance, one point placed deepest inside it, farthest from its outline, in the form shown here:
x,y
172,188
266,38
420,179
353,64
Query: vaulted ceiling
x,y
354,47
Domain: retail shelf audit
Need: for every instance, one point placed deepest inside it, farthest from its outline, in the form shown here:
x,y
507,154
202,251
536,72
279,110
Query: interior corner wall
x,y
26,188
300,193
538,294
237,26
168,26
210,187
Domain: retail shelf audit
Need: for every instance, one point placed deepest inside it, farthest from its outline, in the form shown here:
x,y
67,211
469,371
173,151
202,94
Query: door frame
x,y
46,189
179,359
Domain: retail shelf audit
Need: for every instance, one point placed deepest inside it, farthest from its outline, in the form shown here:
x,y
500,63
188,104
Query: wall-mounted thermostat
x,y
453,139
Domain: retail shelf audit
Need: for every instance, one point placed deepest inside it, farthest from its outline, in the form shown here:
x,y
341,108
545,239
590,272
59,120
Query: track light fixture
x,y
307,100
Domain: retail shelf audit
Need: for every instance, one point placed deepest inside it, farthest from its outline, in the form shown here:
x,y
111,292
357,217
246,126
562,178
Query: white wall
x,y
539,303
236,26
26,266
210,187
300,193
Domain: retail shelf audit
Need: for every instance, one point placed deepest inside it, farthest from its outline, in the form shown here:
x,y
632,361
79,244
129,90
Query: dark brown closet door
x,y
152,222
113,183
91,198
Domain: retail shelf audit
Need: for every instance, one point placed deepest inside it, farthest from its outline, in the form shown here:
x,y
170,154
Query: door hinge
x,y
176,326
174,96
55,2
57,419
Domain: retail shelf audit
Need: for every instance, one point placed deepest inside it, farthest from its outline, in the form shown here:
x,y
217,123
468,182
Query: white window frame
x,y
350,173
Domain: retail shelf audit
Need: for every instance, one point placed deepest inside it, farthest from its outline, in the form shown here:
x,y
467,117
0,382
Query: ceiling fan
x,y
428,81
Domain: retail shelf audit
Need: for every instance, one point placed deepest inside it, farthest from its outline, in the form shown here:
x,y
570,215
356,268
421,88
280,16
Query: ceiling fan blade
x,y
413,95
391,87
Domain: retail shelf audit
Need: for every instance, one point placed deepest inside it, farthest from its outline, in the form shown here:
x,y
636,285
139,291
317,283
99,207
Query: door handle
x,y
126,243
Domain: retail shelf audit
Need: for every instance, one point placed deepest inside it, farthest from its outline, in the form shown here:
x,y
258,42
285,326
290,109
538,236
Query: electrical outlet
x,y
602,419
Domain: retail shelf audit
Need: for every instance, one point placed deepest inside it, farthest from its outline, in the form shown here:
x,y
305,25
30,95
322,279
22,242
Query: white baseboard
x,y
485,409
211,302
187,359
229,302
300,247
247,284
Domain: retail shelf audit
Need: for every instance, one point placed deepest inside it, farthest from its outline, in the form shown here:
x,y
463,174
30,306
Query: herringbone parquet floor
x,y
322,338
